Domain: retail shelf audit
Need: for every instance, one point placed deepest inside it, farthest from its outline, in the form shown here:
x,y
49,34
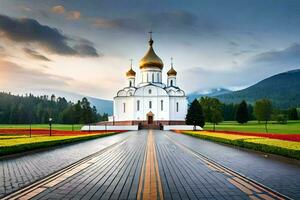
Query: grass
x,y
292,127
65,127
275,146
10,144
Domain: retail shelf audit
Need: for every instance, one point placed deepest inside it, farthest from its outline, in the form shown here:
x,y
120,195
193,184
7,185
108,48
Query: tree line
x,y
208,109
15,109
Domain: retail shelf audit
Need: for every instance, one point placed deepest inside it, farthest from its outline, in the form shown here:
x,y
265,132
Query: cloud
x,y
26,30
162,21
15,76
86,50
289,55
73,15
58,9
34,54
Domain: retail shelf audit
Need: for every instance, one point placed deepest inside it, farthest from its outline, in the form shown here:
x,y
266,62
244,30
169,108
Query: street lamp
x,y
50,125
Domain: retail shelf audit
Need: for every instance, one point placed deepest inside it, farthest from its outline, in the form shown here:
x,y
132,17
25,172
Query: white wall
x,y
102,128
181,127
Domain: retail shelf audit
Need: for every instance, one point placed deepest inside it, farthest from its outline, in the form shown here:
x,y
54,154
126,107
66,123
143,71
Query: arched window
x,y
177,107
161,105
130,83
147,77
153,77
150,104
158,77
171,83
124,107
150,91
138,105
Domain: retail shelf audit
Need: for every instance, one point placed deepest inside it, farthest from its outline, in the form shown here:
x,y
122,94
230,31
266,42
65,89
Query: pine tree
x,y
195,115
293,114
242,113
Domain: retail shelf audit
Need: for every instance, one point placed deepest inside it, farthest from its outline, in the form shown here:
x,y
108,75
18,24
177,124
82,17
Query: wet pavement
x,y
15,173
151,165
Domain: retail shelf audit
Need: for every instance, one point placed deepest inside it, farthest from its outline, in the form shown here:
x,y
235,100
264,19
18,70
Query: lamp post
x,y
50,126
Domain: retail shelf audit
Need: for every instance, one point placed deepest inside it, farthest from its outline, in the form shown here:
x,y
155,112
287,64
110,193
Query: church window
x,y
147,77
177,107
124,107
130,83
161,105
158,77
150,104
138,105
150,91
171,83
152,77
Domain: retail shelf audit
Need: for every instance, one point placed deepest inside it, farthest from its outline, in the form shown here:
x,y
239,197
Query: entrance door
x,y
150,119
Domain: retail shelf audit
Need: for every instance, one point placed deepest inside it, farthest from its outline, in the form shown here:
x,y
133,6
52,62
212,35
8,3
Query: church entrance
x,y
150,117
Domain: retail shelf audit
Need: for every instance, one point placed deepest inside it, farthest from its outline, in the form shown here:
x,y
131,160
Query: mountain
x,y
282,89
102,105
211,93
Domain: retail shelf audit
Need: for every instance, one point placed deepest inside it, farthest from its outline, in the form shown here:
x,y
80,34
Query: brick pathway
x,y
278,175
149,165
18,172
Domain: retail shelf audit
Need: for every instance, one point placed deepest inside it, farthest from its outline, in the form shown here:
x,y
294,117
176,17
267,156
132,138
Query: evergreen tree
x,y
242,113
293,114
195,115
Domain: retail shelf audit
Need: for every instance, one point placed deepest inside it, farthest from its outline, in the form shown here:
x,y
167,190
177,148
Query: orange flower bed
x,y
53,132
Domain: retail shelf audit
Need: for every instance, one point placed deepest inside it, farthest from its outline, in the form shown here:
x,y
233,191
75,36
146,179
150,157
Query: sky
x,y
85,47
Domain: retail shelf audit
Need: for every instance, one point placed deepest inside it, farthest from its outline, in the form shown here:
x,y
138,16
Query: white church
x,y
151,102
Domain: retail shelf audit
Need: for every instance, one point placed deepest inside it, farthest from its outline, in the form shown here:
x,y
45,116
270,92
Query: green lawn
x,y
65,127
254,126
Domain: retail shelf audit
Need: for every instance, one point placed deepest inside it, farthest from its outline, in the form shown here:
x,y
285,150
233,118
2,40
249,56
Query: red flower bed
x,y
53,132
288,137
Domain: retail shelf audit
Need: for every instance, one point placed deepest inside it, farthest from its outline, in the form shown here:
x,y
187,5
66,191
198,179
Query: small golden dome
x,y
130,72
172,72
151,59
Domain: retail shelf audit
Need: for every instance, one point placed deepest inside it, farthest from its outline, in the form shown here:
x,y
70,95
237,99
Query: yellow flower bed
x,y
13,140
281,147
276,143
221,135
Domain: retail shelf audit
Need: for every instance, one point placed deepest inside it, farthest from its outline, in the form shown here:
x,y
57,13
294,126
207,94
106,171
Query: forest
x,y
16,109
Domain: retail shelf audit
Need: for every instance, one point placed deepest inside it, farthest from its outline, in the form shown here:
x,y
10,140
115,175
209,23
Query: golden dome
x,y
172,72
130,72
151,59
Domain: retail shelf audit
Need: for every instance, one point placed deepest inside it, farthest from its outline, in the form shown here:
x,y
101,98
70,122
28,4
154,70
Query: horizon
x,y
82,48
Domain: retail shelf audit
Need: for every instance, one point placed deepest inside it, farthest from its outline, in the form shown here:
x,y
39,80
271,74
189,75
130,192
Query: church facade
x,y
150,102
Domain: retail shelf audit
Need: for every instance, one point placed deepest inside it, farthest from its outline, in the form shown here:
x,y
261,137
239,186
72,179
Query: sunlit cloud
x,y
73,15
58,9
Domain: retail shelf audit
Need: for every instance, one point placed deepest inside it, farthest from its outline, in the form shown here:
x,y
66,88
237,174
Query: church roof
x,y
151,59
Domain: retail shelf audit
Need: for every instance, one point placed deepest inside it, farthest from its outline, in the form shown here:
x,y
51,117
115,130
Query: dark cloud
x,y
290,55
86,50
162,21
29,30
34,54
